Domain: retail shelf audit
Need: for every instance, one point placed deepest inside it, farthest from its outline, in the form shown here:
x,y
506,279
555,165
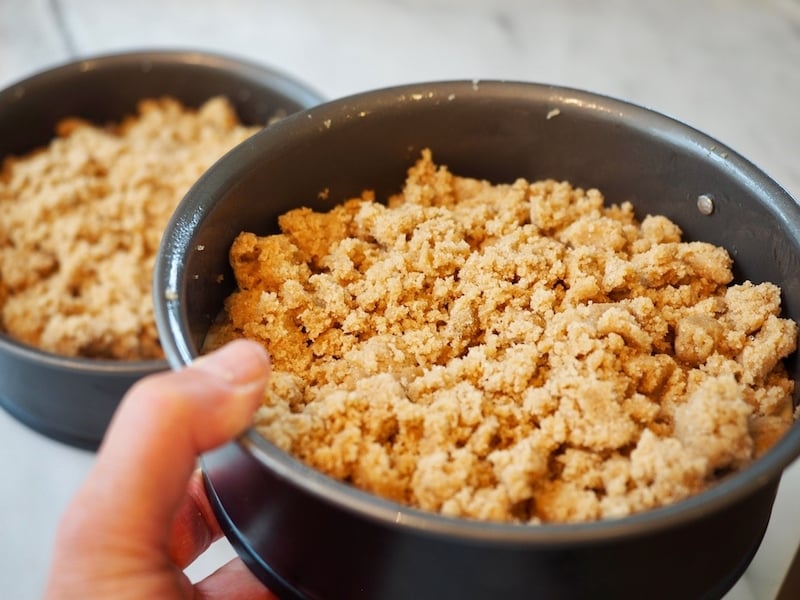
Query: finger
x,y
232,580
195,527
160,428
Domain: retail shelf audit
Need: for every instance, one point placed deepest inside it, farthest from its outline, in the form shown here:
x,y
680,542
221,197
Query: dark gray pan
x,y
308,536
72,399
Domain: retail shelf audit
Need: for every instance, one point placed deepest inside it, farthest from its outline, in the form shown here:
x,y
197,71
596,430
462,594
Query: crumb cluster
x,y
81,221
513,352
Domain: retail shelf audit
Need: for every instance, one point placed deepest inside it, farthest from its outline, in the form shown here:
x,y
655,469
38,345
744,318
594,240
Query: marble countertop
x,y
729,68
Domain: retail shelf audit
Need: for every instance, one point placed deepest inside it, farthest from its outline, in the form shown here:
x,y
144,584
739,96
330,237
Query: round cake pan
x,y
309,536
72,399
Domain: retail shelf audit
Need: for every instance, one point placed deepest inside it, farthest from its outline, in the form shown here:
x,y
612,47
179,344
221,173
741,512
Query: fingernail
x,y
241,363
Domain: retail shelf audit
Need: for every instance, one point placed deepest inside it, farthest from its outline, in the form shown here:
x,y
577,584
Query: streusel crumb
x,y
512,352
81,220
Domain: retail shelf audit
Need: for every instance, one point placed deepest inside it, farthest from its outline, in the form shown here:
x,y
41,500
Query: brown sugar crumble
x,y
81,221
513,352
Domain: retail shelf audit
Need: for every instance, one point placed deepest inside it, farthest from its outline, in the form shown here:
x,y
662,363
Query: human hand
x,y
142,514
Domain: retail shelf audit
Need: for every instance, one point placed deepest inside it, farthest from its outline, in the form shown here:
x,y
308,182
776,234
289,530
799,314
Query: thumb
x,y
162,425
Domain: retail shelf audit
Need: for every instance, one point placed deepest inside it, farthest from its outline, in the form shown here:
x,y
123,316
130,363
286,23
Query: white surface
x,y
729,68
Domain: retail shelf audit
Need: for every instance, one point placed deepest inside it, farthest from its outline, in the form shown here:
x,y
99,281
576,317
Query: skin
x,y
142,514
